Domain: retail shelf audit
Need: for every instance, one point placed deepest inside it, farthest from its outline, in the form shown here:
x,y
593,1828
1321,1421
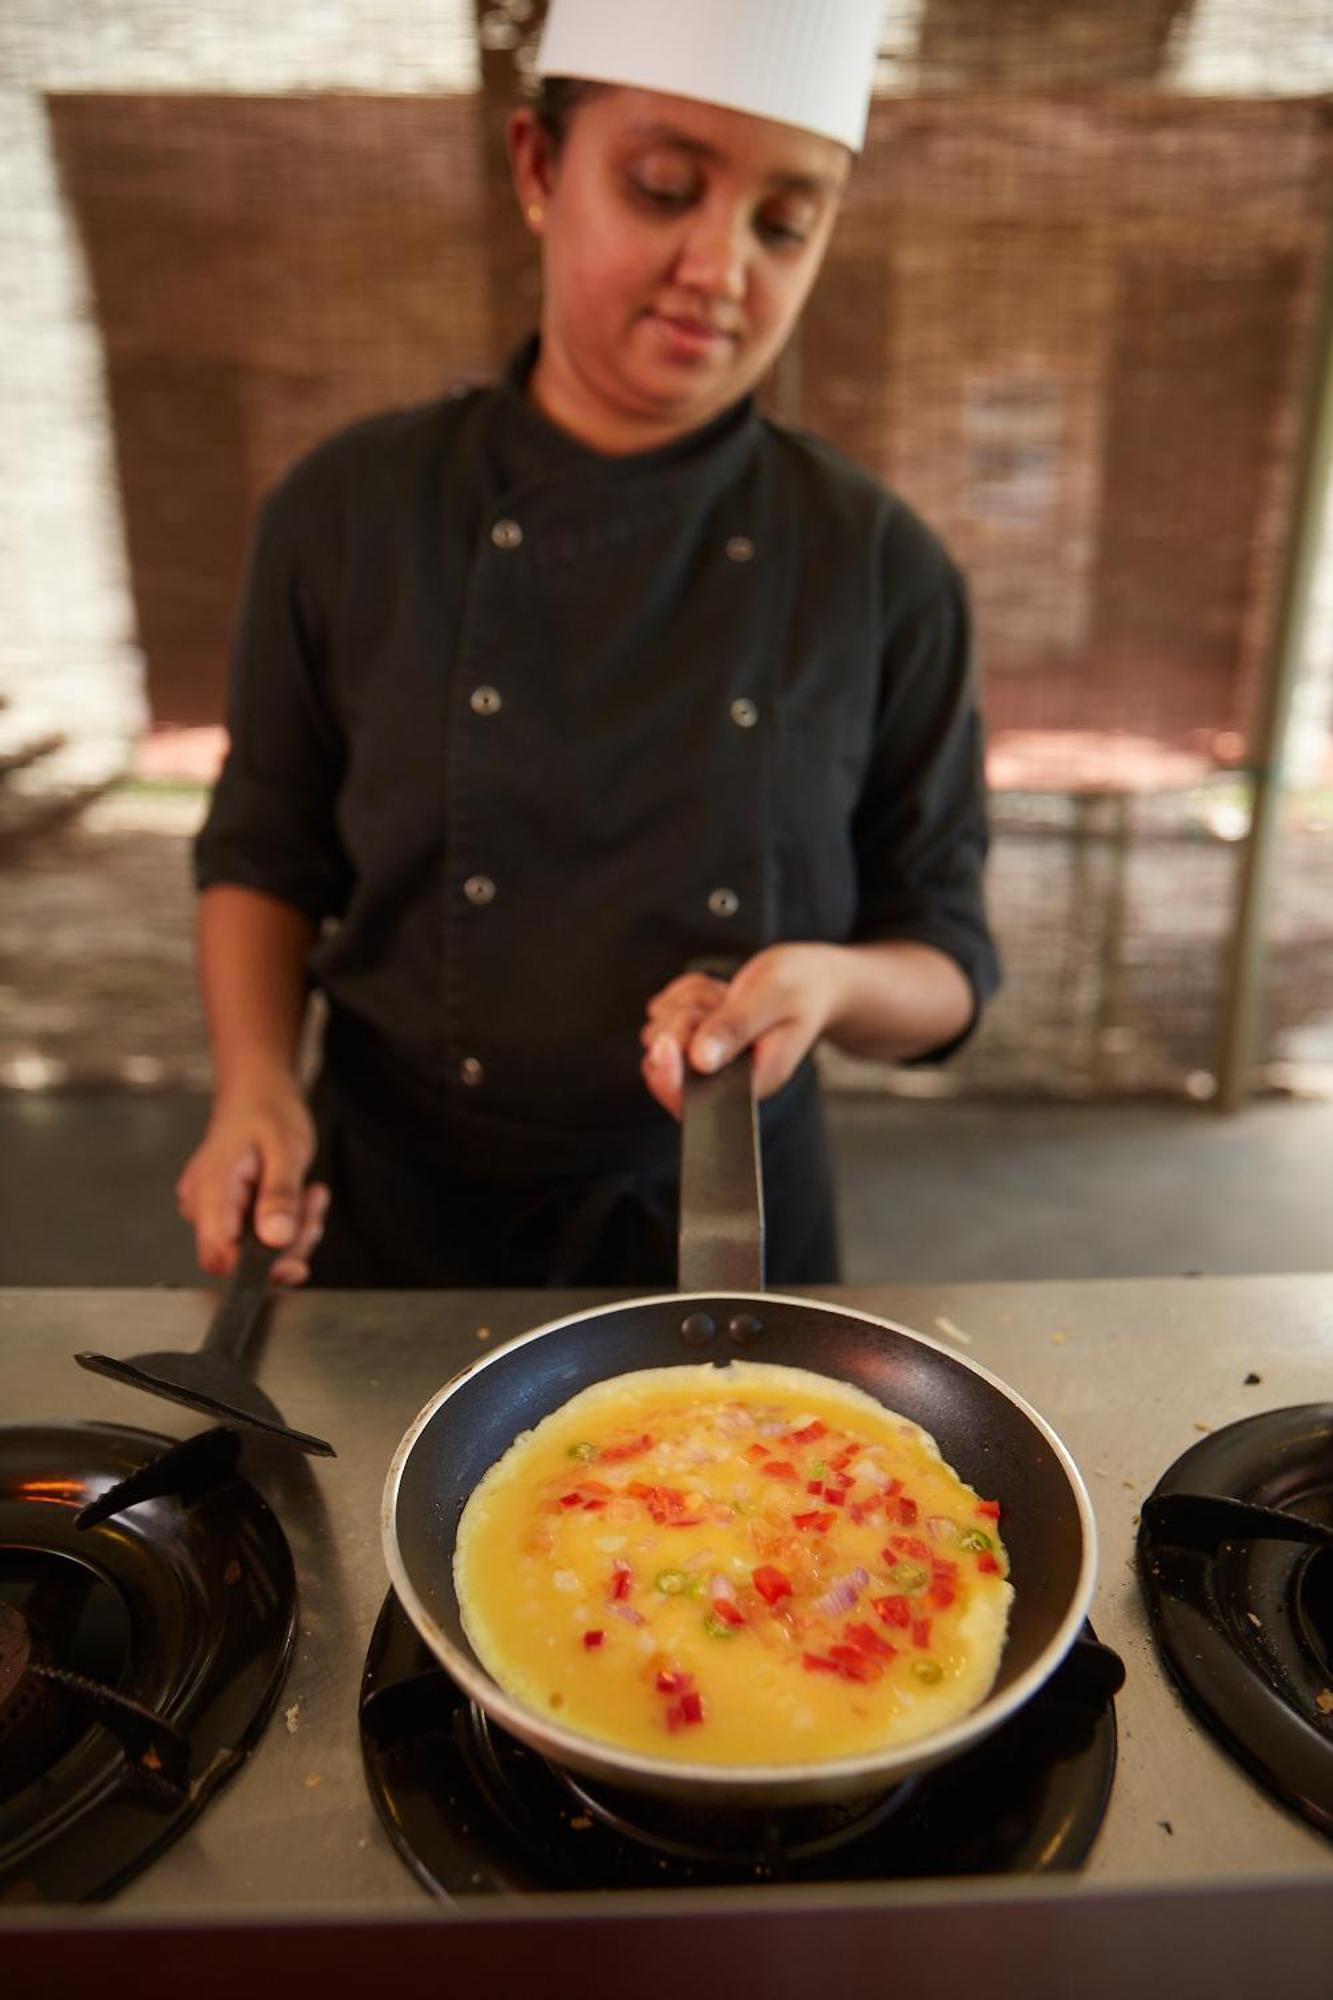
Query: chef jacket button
x,y
506,534
484,701
744,713
740,548
724,902
471,1071
479,889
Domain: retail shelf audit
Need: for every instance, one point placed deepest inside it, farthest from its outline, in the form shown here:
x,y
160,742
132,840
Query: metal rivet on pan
x,y
697,1329
740,548
506,534
744,1327
724,902
484,701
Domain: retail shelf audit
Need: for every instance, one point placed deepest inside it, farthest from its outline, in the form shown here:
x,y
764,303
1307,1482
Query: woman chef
x,y
545,693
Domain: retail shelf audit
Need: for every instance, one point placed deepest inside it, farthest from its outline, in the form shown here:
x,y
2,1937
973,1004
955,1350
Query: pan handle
x,y
721,1244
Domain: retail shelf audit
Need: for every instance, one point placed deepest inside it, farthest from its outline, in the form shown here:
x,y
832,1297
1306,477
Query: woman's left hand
x,y
778,1005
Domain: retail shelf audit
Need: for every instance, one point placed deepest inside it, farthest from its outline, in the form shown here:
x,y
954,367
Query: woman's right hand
x,y
257,1148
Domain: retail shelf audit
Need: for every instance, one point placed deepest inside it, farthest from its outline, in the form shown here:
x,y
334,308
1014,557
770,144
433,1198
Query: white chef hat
x,y
803,62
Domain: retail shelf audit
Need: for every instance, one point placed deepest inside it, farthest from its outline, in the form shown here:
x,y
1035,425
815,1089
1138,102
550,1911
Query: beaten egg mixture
x,y
743,1565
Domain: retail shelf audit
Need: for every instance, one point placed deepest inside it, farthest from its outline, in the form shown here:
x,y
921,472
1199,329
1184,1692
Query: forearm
x,y
252,972
897,999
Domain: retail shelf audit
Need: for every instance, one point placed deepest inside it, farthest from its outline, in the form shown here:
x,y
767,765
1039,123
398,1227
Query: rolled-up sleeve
x,y
920,830
272,823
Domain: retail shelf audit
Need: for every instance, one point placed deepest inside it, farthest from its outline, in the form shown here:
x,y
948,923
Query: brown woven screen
x,y
1067,312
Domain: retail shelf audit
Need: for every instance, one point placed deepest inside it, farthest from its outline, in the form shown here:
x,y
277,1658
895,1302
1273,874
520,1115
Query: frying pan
x,y
992,1438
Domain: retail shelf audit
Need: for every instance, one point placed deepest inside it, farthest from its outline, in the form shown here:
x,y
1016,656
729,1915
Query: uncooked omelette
x,y
741,1565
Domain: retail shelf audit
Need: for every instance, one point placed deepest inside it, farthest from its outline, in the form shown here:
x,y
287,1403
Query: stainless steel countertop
x,y
1129,1372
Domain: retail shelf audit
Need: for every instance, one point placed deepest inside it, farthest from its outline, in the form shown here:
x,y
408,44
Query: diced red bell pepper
x,y
619,1588
844,1457
906,1511
616,1454
669,1681
989,1509
907,1545
815,1663
987,1564
729,1613
893,1610
844,1480
835,1496
598,1486
691,1708
814,1486
940,1595
921,1633
868,1639
779,1468
754,1452
854,1665
771,1584
593,1506
808,1434
571,1500
818,1523
593,1639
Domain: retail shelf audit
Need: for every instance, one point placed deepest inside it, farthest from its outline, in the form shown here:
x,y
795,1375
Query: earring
x,y
535,213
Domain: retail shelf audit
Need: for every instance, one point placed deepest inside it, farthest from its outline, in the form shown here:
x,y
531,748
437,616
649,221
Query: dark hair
x,y
558,98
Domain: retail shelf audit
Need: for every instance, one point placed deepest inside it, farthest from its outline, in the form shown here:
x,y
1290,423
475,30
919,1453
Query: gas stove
x,y
345,1793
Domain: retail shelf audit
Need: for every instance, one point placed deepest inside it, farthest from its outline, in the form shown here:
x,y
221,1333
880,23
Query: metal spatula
x,y
214,1378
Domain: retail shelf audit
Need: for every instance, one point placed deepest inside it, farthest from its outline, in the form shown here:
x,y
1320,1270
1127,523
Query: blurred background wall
x,y
1071,312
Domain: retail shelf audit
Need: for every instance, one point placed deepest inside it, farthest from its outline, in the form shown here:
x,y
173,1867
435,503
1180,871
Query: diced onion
x,y
866,1468
842,1595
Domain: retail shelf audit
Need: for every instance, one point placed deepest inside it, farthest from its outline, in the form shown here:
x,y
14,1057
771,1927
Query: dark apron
x,y
405,1214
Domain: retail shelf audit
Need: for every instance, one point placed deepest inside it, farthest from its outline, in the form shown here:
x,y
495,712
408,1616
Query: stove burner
x,y
55,1614
766,1843
138,1661
1244,1620
15,1648
474,1812
1314,1611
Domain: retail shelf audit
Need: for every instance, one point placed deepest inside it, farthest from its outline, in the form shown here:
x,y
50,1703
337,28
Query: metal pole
x,y
1246,957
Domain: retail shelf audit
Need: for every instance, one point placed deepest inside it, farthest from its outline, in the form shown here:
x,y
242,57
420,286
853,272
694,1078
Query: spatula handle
x,y
232,1329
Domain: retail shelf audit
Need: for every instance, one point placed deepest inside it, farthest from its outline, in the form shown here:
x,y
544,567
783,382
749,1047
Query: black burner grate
x,y
147,1612
474,1812
1237,1572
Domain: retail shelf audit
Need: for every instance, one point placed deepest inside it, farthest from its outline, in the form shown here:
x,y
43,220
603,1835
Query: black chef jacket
x,y
528,729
